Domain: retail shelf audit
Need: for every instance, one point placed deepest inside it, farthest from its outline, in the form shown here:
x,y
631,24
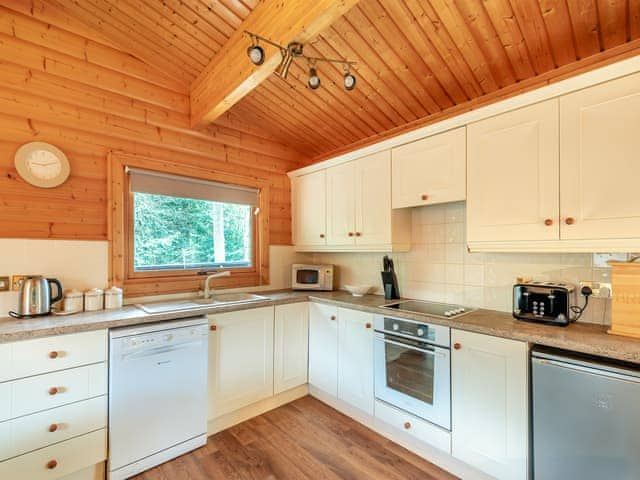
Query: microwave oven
x,y
311,277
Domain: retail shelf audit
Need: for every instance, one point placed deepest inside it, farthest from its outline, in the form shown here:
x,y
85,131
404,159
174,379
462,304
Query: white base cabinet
x,y
323,347
490,413
291,346
240,359
355,358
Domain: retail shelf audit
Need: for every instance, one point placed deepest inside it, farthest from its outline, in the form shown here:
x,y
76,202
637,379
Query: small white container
x,y
93,300
73,301
112,298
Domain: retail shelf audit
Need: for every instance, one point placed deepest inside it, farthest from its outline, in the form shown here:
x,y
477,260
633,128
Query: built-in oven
x,y
311,277
413,367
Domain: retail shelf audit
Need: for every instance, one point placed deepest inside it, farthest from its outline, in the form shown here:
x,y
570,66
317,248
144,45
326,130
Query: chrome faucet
x,y
208,292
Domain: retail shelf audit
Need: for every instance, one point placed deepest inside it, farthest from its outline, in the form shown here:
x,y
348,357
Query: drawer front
x,y
5,401
42,355
5,361
420,429
58,460
55,389
32,432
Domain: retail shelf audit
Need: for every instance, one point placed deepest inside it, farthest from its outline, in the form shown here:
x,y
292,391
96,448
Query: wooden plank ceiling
x,y
417,60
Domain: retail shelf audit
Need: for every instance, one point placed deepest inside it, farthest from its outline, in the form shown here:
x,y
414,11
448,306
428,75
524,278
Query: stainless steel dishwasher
x,y
586,417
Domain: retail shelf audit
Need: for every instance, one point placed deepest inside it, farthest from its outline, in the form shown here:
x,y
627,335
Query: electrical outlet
x,y
16,281
5,284
600,289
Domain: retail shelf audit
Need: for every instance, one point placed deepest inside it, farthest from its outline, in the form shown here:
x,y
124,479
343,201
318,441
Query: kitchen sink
x,y
220,300
230,298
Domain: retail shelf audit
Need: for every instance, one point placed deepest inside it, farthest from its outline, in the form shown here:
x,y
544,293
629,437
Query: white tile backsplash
x,y
440,268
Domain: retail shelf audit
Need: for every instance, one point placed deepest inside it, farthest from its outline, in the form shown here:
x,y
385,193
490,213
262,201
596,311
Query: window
x,y
173,223
172,233
181,223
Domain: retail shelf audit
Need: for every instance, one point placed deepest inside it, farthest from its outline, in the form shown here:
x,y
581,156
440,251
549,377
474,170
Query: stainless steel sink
x,y
230,298
220,300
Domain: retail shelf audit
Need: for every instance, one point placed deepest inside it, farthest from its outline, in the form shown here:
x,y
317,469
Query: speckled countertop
x,y
579,337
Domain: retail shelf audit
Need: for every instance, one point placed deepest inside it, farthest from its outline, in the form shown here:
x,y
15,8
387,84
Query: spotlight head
x,y
314,79
256,54
349,81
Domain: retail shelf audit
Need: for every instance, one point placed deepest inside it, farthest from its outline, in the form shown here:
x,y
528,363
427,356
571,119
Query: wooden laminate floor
x,y
305,439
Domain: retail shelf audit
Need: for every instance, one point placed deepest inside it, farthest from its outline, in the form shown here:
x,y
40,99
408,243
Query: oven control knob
x,y
420,332
396,327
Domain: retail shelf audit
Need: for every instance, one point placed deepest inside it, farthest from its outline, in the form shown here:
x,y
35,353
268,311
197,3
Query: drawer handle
x,y
51,464
407,425
53,427
570,221
358,234
350,234
322,235
53,355
367,325
54,391
333,317
424,197
548,222
457,346
213,328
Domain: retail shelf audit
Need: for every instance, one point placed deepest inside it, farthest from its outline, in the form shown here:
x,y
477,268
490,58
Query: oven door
x,y
415,377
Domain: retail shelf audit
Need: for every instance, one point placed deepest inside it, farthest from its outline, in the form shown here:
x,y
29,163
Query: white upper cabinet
x,y
600,161
309,209
358,214
291,346
429,171
373,199
489,404
513,183
341,204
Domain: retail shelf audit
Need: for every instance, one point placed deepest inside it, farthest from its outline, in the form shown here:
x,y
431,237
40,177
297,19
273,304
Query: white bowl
x,y
358,290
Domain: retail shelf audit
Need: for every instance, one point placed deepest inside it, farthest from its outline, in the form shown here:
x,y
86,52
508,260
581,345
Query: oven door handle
x,y
410,347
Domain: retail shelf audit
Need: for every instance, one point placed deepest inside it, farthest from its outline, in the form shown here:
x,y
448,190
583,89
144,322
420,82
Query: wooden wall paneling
x,y
153,52
612,16
421,67
452,20
506,25
555,15
535,34
634,19
219,15
584,19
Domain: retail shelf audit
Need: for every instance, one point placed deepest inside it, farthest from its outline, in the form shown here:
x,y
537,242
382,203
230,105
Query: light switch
x,y
5,284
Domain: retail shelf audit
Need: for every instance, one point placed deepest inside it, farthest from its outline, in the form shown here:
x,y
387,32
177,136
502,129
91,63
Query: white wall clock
x,y
41,164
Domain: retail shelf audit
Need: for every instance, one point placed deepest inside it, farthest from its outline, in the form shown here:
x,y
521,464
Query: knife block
x,y
390,285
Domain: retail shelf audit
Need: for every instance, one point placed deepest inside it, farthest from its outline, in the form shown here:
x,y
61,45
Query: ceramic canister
x,y
112,298
93,299
73,301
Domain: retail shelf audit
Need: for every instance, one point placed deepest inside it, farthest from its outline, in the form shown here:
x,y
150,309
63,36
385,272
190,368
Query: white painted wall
x,y
439,268
84,264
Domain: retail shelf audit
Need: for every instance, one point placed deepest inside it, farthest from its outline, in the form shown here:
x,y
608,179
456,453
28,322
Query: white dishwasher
x,y
157,394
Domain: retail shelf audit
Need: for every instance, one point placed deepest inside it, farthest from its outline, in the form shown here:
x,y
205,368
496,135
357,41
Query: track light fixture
x,y
295,50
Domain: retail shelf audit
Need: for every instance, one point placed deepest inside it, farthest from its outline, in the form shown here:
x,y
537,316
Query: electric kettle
x,y
36,296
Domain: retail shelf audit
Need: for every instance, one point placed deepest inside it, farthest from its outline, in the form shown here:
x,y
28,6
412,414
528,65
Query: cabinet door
x,y
309,209
240,359
323,347
489,382
355,359
341,204
513,175
373,199
291,346
600,166
431,170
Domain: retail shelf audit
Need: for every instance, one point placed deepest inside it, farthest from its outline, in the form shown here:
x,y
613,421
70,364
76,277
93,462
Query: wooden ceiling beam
x,y
230,75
